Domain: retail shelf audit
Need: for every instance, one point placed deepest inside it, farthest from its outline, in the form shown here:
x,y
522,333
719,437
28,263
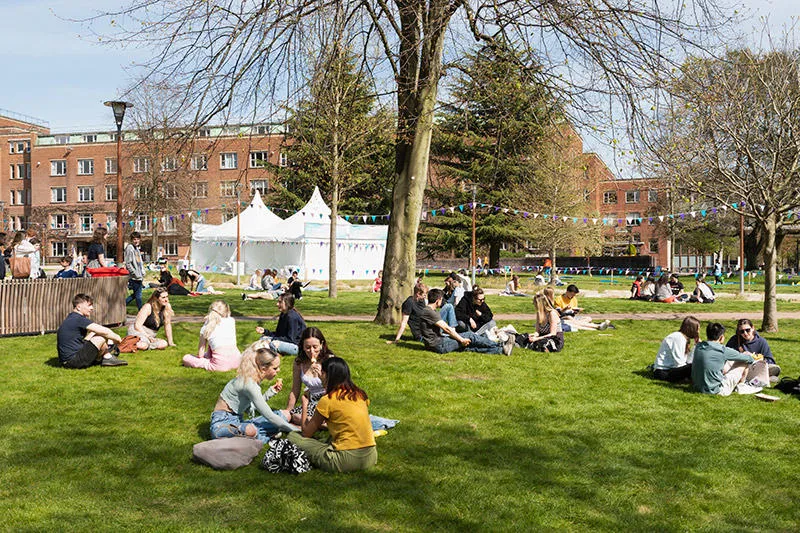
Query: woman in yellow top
x,y
345,408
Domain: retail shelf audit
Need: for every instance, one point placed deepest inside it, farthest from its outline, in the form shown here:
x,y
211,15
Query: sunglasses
x,y
480,299
746,330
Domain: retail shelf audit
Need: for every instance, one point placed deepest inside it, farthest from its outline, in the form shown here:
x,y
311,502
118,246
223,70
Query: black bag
x,y
285,456
789,386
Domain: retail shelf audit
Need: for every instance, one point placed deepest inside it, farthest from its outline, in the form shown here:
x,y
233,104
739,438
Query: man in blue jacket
x,y
710,356
748,340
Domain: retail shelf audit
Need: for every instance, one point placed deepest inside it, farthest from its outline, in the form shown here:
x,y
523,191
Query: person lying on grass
x,y
307,370
432,326
345,409
216,350
575,322
82,343
243,394
286,336
155,313
710,372
748,340
548,336
674,357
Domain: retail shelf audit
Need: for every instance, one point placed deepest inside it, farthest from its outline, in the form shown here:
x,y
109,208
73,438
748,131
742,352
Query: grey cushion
x,y
227,454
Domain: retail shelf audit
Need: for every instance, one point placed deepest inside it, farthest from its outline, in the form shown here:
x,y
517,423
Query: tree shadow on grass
x,y
54,362
685,386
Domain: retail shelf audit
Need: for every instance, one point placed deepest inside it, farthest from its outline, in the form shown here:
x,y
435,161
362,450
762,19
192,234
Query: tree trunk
x,y
770,320
417,83
553,265
154,243
494,255
753,245
332,292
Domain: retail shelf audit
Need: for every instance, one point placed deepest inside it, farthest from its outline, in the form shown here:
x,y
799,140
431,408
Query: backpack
x,y
789,386
285,456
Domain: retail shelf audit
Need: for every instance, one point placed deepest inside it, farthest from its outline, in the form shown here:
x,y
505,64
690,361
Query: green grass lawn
x,y
574,441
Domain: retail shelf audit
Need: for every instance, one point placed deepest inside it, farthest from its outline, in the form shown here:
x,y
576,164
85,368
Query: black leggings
x,y
674,375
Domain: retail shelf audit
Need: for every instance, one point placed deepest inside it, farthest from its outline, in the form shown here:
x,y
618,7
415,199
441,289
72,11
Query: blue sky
x,y
56,72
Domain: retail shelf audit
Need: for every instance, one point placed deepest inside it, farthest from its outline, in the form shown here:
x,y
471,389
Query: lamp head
x,y
118,107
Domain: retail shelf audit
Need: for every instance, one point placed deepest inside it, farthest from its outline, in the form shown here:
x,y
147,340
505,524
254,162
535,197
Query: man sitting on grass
x,y
81,342
709,375
412,307
432,326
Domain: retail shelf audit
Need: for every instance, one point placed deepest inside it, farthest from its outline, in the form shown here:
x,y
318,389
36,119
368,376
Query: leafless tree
x,y
232,55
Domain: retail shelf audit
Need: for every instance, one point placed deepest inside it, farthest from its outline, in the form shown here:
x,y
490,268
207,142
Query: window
x,y
142,222
115,135
11,172
18,197
170,191
199,162
141,164
58,249
200,189
90,138
20,171
169,164
259,159
58,167
632,197
171,247
284,159
140,192
111,219
62,139
652,196
58,221
654,245
85,167
227,215
230,130
86,194
228,160
204,132
261,130
170,223
633,219
111,193
58,195
85,222
18,223
227,189
259,185
610,197
19,147
111,165
201,217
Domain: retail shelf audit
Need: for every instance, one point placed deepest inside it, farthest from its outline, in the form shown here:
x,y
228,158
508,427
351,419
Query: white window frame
x,y
142,223
283,159
228,160
632,197
169,164
259,159
260,185
59,221
227,189
170,223
90,138
171,191
58,167
170,247
650,246
633,219
140,192
62,139
607,196
141,165
200,187
85,193
199,162
58,248
85,223
85,167
111,220
56,192
227,215
111,165
204,132
652,196
111,193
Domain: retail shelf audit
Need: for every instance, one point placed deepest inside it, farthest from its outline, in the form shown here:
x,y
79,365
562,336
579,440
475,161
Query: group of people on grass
x,y
331,400
714,366
668,288
270,289
451,319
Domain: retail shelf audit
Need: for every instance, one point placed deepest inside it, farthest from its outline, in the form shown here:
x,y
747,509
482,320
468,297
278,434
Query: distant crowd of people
x,y
668,288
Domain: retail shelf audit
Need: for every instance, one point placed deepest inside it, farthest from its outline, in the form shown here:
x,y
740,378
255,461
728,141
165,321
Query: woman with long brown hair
x,y
96,254
674,357
307,370
548,336
153,314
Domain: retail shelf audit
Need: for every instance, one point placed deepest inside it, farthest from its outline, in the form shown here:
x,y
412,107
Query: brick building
x,y
64,185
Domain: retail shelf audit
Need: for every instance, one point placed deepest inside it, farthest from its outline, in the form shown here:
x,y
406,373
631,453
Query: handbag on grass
x,y
20,266
285,456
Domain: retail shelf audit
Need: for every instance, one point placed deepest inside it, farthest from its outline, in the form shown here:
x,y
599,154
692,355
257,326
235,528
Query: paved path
x,y
755,316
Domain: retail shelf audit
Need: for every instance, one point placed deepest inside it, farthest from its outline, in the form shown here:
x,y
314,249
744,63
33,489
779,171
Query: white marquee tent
x,y
300,242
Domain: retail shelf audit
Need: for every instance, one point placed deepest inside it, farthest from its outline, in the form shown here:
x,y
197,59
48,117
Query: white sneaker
x,y
604,325
502,336
508,346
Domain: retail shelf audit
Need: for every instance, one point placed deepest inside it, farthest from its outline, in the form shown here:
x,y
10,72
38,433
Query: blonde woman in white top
x,y
217,350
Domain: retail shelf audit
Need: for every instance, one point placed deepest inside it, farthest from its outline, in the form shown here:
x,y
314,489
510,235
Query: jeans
x,y
283,347
486,327
201,285
478,343
225,425
136,286
448,314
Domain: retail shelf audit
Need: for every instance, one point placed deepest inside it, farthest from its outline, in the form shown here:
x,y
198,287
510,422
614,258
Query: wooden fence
x,y
40,305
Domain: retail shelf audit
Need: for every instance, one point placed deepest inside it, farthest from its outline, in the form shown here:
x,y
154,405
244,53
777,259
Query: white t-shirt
x,y
672,352
223,335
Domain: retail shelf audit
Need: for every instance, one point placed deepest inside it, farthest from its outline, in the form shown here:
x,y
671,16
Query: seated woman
x,y
286,337
243,392
748,340
153,314
268,280
648,289
217,350
376,285
636,288
254,284
344,407
307,370
663,291
548,336
575,322
703,293
512,287
674,358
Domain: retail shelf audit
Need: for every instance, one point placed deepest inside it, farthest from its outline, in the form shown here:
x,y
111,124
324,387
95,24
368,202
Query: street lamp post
x,y
2,215
119,107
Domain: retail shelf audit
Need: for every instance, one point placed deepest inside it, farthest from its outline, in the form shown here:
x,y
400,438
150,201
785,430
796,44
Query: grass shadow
x,y
54,362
